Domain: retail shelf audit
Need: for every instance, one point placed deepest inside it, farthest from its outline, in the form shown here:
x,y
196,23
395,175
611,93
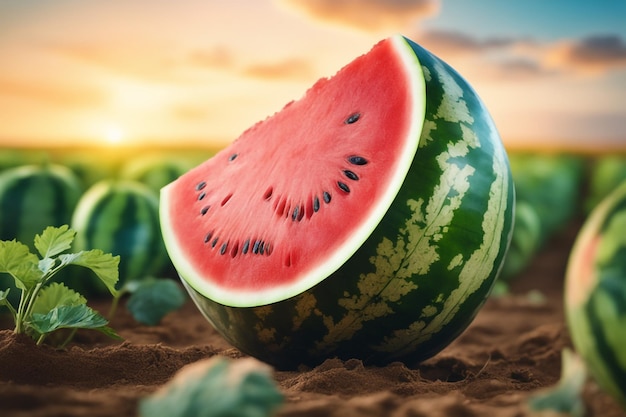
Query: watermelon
x,y
33,197
525,242
368,219
606,173
155,171
121,218
551,183
595,293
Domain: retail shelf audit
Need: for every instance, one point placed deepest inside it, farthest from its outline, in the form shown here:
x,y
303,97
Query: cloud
x,y
593,54
59,94
452,42
292,68
368,15
218,57
525,57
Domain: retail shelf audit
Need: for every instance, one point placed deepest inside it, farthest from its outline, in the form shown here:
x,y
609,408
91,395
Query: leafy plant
x,y
45,306
150,299
564,398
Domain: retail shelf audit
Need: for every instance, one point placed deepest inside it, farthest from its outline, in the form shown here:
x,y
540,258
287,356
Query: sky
x,y
552,73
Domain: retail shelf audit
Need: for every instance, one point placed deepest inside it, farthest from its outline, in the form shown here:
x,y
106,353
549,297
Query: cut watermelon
x,y
318,232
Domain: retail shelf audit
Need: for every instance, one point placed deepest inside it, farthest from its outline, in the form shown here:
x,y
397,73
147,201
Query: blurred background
x,y
158,86
198,72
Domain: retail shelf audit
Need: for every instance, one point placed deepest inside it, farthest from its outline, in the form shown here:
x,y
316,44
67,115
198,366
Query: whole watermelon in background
x,y
607,172
155,171
525,242
368,219
33,197
595,293
551,184
121,217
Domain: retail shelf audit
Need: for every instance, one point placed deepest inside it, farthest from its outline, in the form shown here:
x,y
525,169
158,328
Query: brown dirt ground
x,y
511,350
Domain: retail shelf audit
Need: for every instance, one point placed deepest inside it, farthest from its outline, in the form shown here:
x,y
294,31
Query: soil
x,y
511,351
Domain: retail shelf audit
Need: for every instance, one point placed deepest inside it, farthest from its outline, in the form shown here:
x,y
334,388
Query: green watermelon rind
x,y
33,197
241,298
423,272
121,217
595,293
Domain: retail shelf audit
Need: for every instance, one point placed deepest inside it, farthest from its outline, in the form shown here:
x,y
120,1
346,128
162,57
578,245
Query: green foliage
x,y
565,397
607,172
549,183
45,306
216,387
152,298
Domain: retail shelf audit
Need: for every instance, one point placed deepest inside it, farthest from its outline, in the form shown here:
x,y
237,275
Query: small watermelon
x,y
595,293
607,172
121,217
368,219
155,171
551,183
33,197
525,242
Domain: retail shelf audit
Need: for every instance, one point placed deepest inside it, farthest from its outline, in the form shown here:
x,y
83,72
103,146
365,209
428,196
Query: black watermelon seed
x,y
232,157
353,118
326,197
201,196
316,204
246,245
207,237
204,210
262,248
255,247
294,216
268,249
214,242
344,187
200,185
223,248
357,160
351,175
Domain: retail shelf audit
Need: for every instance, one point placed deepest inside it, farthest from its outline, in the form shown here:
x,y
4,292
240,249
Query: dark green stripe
x,y
12,206
614,289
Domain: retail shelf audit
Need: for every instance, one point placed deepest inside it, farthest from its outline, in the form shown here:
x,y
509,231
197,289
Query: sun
x,y
114,134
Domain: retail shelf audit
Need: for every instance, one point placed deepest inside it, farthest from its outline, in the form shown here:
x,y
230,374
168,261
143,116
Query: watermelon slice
x,y
320,221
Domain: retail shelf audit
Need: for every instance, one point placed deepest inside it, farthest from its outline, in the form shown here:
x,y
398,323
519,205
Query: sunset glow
x,y
114,135
202,72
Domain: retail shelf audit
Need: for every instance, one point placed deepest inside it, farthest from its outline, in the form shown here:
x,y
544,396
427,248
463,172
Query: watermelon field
x,y
505,364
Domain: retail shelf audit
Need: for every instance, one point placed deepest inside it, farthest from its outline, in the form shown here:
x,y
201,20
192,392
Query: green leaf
x,y
46,265
566,396
65,317
104,265
107,331
54,240
54,295
16,260
152,299
217,387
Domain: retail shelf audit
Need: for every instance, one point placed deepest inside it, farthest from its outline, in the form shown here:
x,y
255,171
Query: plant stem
x,y
68,339
41,338
113,307
20,316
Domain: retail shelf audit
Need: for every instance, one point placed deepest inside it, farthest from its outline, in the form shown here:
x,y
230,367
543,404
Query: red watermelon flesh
x,y
291,199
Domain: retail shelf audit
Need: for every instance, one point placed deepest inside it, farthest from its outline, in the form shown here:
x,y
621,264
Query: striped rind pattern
x,y
422,275
35,197
121,217
595,294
